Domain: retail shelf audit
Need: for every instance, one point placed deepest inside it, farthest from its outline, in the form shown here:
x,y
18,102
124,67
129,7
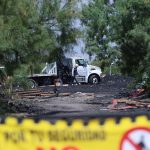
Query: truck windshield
x,y
80,62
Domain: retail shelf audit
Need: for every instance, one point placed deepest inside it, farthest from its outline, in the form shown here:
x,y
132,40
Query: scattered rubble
x,y
139,98
109,97
37,93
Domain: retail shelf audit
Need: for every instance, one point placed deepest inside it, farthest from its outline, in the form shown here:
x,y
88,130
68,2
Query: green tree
x,y
58,16
33,31
96,18
127,24
21,36
133,36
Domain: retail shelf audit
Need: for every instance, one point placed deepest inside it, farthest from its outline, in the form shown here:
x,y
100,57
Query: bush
x,y
20,83
114,70
101,63
105,66
20,78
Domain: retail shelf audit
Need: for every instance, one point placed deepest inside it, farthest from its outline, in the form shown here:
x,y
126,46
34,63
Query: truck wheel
x,y
94,79
32,84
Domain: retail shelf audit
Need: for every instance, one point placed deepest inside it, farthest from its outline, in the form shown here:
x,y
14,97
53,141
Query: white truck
x,y
64,70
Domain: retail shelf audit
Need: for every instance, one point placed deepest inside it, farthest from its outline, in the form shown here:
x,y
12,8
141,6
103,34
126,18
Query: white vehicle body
x,y
85,73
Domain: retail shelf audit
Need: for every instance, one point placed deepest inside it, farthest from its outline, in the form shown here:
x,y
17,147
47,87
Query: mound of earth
x,y
84,101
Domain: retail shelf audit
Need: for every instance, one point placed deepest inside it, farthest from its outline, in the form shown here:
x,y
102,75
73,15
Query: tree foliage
x,y
127,23
133,33
134,37
96,18
32,30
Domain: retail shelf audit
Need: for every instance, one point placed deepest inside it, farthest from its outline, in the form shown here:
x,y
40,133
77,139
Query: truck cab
x,y
86,73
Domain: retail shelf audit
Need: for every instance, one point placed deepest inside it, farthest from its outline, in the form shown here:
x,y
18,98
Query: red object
x,y
39,148
114,102
53,148
138,132
70,148
126,107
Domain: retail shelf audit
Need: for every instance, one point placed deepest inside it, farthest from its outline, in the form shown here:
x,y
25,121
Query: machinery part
x,y
3,75
94,79
24,83
58,82
32,84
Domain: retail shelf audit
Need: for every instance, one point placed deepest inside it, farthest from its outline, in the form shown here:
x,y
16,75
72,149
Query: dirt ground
x,y
84,101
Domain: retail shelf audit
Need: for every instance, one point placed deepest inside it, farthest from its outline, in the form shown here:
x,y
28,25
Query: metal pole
x,y
110,70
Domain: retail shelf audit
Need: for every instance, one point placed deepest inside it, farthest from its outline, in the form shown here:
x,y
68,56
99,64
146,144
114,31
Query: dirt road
x,y
85,100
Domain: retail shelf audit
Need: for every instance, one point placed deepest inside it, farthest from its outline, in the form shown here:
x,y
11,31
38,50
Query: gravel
x,y
80,103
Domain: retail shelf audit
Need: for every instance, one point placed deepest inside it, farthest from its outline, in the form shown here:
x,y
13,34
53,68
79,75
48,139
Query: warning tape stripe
x,y
70,122
44,135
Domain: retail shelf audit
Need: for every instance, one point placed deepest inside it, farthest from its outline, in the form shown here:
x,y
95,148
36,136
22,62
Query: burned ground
x,y
82,101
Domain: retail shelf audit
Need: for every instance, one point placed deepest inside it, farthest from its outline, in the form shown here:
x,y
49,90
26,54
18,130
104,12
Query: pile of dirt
x,y
83,99
4,107
110,84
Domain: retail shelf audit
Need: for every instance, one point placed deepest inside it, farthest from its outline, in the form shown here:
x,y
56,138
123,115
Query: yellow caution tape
x,y
126,135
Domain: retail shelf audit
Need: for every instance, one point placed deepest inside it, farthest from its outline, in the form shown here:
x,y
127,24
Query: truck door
x,y
82,67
